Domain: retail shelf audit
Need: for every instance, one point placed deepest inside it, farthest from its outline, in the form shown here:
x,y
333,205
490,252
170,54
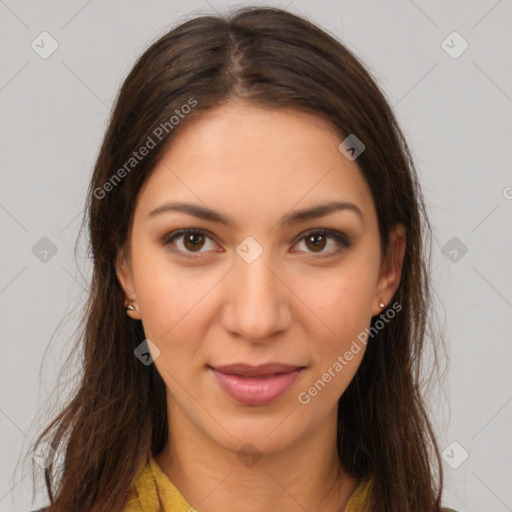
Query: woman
x,y
260,292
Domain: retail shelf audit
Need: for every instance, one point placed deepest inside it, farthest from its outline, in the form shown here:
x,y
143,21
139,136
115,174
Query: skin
x,y
295,304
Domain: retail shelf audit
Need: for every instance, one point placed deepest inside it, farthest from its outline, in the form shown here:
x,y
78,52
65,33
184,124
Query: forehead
x,y
251,160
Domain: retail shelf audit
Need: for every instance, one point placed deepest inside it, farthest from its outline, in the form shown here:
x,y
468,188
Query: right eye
x,y
190,241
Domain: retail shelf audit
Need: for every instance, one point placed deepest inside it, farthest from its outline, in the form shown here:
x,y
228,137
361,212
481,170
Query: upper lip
x,y
246,370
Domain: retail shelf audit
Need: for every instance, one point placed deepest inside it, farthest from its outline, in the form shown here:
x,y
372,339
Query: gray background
x,y
456,113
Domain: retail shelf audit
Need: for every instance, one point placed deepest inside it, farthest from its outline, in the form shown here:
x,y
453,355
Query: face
x,y
271,284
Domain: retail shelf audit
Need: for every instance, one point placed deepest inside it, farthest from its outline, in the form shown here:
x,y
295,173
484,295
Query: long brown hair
x,y
117,417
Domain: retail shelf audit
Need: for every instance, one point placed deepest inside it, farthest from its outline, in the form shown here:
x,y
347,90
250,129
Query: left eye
x,y
192,240
318,240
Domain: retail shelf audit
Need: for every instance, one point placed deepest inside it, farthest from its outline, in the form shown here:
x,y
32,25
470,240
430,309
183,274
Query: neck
x,y
304,476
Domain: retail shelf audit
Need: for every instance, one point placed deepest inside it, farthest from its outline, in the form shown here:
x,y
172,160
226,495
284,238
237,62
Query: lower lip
x,y
256,391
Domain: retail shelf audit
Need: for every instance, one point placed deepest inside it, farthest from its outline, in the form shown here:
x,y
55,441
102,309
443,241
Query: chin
x,y
265,436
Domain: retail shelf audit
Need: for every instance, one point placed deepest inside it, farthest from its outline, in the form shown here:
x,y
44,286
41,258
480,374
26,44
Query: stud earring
x,y
130,307
382,305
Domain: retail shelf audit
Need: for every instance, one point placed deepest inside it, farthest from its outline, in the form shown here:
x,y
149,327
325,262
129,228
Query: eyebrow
x,y
294,217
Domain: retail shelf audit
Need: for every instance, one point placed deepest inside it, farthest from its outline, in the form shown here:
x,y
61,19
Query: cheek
x,y
345,310
344,301
169,298
344,305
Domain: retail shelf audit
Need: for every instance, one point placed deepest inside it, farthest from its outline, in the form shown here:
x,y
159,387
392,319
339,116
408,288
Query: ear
x,y
391,267
125,278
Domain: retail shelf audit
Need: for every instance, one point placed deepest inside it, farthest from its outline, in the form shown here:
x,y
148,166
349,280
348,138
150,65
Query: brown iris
x,y
196,241
316,245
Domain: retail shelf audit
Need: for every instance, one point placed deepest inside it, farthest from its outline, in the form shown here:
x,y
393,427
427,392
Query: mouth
x,y
256,385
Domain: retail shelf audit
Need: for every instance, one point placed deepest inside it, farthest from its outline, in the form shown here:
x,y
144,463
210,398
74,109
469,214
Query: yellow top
x,y
145,496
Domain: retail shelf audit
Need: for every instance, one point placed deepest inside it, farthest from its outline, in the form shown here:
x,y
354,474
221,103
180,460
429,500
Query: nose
x,y
257,302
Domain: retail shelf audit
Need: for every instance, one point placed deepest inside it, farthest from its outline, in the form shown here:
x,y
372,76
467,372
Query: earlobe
x,y
124,276
391,270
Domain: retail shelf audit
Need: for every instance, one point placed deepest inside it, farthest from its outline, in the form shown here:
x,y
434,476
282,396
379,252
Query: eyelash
x,y
340,238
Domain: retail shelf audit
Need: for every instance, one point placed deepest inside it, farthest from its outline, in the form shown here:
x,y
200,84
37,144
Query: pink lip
x,y
258,385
